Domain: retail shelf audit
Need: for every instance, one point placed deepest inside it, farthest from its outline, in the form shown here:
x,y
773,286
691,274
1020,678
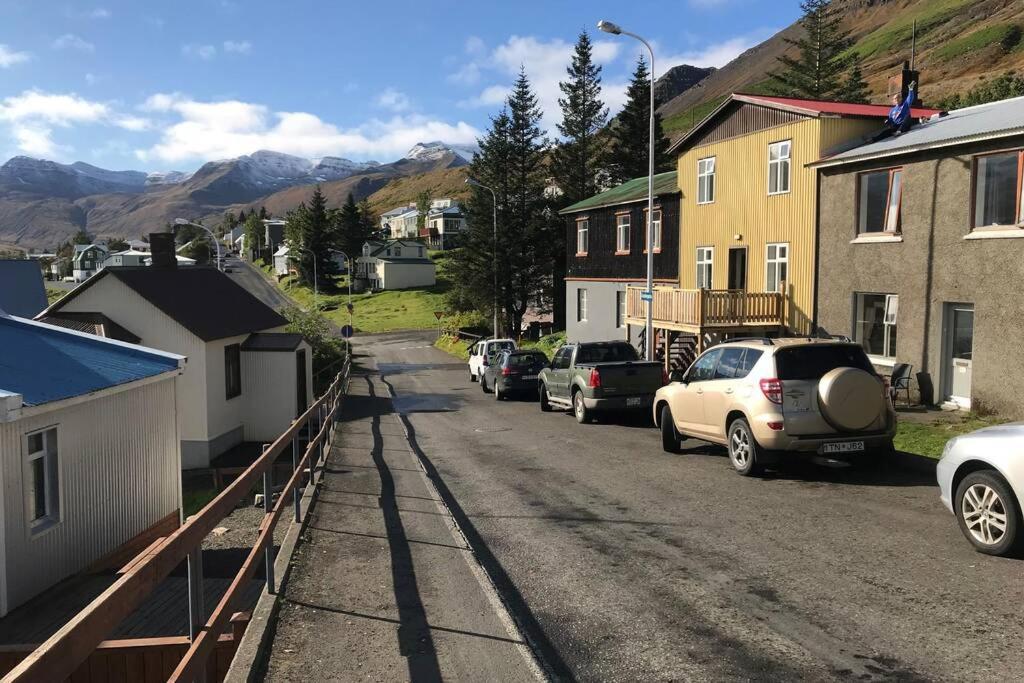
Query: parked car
x,y
480,353
761,397
513,372
594,377
981,481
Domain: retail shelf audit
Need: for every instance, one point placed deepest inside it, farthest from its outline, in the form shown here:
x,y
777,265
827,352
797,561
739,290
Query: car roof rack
x,y
766,341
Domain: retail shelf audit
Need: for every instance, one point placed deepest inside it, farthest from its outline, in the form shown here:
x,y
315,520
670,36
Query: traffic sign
x,y
438,314
347,331
349,306
647,296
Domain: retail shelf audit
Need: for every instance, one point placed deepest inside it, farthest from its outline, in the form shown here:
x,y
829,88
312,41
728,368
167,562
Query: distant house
x,y
444,224
388,216
396,264
273,234
405,225
181,260
138,245
21,287
88,260
283,261
90,471
130,257
233,388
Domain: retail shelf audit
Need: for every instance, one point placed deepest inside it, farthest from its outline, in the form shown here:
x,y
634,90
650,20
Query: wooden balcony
x,y
706,310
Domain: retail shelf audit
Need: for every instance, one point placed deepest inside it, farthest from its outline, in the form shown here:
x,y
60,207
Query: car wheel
x,y
472,377
988,513
545,404
744,452
579,408
499,395
670,439
483,383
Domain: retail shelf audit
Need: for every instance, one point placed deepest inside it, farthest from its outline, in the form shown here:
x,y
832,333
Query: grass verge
x,y
928,439
192,501
454,346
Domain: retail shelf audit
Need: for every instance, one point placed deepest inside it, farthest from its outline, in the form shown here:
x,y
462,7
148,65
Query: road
x,y
620,562
253,280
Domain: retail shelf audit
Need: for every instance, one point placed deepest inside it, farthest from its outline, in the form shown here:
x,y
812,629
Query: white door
x,y
959,353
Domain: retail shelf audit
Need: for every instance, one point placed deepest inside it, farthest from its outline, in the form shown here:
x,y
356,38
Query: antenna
x,y
913,44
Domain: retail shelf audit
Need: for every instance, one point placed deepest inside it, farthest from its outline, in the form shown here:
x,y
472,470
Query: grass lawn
x,y
196,499
928,439
53,293
456,347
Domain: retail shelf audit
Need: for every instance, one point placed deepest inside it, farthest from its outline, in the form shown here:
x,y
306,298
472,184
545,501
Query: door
x,y
959,353
737,267
559,375
721,389
300,382
687,404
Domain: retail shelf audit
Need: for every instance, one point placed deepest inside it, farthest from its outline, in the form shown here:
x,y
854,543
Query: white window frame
x,y
775,260
706,180
51,479
622,229
581,305
657,230
890,320
705,267
780,167
620,308
978,192
582,236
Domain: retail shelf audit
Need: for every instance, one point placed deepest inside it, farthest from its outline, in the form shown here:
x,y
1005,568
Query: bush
x,y
328,350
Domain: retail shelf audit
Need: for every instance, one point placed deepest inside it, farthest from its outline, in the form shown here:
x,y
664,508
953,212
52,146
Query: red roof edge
x,y
831,107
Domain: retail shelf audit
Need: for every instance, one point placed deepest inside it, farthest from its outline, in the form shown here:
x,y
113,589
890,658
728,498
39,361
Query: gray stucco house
x,y
921,254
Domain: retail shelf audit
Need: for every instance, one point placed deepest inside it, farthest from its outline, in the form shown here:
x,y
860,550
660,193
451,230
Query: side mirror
x,y
677,375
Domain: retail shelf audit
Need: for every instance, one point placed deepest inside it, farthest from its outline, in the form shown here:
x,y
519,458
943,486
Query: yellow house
x,y
747,219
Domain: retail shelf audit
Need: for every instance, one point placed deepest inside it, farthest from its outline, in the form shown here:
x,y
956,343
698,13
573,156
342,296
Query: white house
x,y
444,224
282,261
388,216
89,453
88,260
138,245
232,390
396,264
405,225
131,257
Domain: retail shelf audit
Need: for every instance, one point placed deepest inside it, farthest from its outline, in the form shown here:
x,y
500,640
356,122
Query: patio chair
x,y
899,381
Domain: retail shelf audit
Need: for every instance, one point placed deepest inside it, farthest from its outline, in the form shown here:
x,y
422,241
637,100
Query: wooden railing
x,y
60,656
701,308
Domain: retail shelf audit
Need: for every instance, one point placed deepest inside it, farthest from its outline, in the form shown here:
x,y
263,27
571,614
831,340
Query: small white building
x,y
396,264
388,216
138,245
283,261
131,257
89,453
88,260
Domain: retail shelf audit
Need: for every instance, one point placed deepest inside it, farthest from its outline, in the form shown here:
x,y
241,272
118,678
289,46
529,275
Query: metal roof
x,y
90,323
21,287
628,192
45,363
960,126
272,341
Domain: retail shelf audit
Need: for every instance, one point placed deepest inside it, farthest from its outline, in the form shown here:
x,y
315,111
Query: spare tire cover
x,y
849,398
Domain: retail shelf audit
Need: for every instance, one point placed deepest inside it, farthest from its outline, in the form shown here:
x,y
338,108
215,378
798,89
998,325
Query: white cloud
x,y
393,99
100,13
9,57
36,140
475,45
716,54
204,52
69,41
224,129
240,47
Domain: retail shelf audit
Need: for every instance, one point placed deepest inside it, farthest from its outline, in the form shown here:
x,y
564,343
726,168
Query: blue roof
x,y
45,363
21,288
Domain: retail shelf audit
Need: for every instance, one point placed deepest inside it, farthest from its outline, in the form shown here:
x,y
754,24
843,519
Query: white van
x,y
479,353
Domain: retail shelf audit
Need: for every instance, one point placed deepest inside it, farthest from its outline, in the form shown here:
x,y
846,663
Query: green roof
x,y
630,191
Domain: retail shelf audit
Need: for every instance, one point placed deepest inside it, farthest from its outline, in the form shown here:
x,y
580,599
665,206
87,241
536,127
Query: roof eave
x,y
923,147
569,210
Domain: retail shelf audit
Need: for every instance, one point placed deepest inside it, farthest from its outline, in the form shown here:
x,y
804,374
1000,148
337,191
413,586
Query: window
x,y
704,367
875,328
562,359
705,261
778,167
582,237
997,187
706,180
581,305
814,361
879,201
776,266
398,251
736,363
42,484
232,371
656,224
622,233
620,308
606,352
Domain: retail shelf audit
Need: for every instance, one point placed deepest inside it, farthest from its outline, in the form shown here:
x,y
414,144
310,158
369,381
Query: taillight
x,y
595,379
772,390
505,372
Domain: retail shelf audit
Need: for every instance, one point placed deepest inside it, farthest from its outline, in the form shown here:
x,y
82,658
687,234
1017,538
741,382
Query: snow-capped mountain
x,y
336,168
166,177
432,151
40,176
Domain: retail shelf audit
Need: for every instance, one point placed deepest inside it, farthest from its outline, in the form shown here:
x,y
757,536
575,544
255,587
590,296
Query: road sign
x,y
349,307
438,314
647,296
347,331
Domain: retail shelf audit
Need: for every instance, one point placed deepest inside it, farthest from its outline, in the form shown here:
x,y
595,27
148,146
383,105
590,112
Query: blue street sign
x,y
647,296
347,331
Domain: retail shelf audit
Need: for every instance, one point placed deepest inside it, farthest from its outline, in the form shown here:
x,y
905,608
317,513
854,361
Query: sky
x,y
168,86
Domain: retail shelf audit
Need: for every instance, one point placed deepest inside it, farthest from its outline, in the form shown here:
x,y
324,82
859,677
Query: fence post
x,y
268,493
196,611
298,482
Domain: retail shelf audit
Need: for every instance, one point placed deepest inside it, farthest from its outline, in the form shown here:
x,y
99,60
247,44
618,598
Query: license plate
x,y
633,402
529,377
843,447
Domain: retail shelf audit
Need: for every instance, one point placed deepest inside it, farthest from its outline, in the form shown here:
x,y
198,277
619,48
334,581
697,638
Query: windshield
x,y
497,347
606,353
813,361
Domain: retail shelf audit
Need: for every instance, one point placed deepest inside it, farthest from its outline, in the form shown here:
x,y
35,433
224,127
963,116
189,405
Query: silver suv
x,y
759,397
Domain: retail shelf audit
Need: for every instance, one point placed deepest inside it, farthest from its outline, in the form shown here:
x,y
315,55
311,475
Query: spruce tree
x,y
630,133
311,230
855,89
817,73
351,228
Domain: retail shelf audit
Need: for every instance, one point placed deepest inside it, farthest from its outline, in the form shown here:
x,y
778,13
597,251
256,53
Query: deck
x,y
698,311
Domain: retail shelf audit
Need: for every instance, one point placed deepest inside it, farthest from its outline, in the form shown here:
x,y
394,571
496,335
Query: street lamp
x,y
183,221
351,267
494,260
614,29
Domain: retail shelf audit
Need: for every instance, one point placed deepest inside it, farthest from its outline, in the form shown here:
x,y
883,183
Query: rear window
x,y
526,360
814,361
498,347
606,353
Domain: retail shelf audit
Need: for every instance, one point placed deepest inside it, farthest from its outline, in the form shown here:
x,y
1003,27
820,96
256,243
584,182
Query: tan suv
x,y
759,397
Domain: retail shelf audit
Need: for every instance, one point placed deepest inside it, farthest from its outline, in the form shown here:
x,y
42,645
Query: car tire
x,y
983,501
545,404
499,395
671,441
472,377
745,454
483,384
579,408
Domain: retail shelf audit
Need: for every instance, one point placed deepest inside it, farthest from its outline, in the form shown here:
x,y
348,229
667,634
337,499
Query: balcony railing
x,y
697,309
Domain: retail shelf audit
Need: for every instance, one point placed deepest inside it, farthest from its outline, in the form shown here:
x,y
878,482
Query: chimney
x,y
908,76
161,246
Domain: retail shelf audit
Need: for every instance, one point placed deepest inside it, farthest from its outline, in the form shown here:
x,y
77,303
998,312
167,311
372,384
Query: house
x,y
282,261
921,248
181,260
138,245
405,225
388,216
606,241
444,224
90,468
22,292
230,238
748,208
396,264
232,389
130,257
273,234
88,260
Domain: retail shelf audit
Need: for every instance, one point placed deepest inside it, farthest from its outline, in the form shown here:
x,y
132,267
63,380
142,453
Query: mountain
x,y
959,44
51,179
678,80
433,151
166,177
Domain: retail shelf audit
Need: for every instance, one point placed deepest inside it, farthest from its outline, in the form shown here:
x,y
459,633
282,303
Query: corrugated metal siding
x,y
226,414
742,120
268,392
119,473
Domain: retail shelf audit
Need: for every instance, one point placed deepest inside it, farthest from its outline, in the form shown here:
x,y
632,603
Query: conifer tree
x,y
311,230
818,72
855,89
352,231
630,133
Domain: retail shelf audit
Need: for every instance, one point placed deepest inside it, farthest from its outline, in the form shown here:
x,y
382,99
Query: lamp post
x,y
614,29
351,267
216,242
316,288
494,260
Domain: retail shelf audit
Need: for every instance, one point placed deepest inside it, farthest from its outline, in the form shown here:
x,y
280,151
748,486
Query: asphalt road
x,y
254,281
621,562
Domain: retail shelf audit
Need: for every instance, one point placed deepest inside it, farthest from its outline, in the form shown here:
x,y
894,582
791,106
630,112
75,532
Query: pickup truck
x,y
588,378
